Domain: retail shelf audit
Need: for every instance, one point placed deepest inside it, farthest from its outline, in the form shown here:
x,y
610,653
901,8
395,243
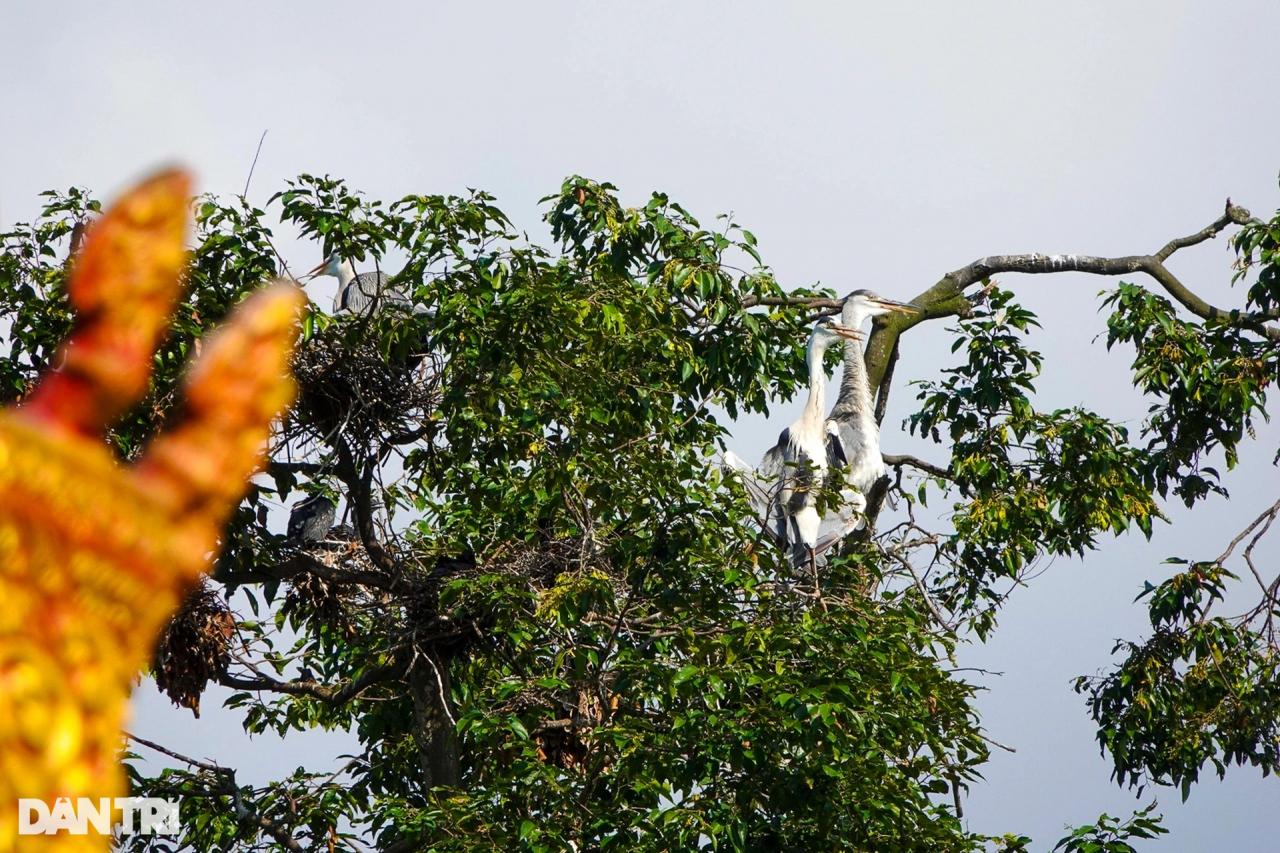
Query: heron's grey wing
x,y
774,464
366,289
860,446
311,518
841,521
762,491
767,486
297,520
733,462
351,299
774,471
792,469
837,456
380,290
757,489
395,299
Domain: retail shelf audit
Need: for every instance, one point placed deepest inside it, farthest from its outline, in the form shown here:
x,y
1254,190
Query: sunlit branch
x,y
224,783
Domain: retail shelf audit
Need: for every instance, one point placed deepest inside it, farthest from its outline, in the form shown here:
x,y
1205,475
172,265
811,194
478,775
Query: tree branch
x,y
920,588
882,393
191,762
899,460
825,303
409,436
277,466
336,695
226,784
304,562
946,297
360,494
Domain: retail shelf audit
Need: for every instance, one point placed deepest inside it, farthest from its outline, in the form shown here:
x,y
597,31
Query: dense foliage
x,y
550,621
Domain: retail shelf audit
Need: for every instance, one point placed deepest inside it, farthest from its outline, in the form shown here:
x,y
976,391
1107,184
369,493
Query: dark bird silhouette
x,y
311,519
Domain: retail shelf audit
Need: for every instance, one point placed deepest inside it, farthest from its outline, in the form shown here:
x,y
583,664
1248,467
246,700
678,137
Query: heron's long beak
x,y
897,307
315,271
846,332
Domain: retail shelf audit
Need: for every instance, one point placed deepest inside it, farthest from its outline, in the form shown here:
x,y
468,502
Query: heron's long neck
x,y
817,382
346,272
854,399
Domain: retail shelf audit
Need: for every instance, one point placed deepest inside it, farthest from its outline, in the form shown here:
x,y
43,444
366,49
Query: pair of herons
x,y
813,454
311,518
838,454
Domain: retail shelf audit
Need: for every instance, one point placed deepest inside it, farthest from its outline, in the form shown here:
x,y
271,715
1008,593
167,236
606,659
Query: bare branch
x,y
946,297
825,304
1232,213
191,762
253,165
1036,263
305,562
920,588
276,831
277,467
1268,515
409,436
226,784
360,493
882,393
336,695
898,460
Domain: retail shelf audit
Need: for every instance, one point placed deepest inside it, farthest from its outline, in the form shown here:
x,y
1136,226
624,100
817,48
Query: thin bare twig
x,y
226,784
333,694
1267,516
924,593
192,762
253,165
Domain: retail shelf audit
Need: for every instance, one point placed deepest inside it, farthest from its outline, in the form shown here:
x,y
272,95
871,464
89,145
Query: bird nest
x,y
327,602
327,597
349,384
195,647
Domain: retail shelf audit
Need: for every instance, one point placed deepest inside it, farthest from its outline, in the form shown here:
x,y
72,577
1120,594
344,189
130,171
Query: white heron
x,y
798,462
852,434
356,293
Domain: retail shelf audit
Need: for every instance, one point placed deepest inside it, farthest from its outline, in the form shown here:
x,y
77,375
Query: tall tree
x,y
552,624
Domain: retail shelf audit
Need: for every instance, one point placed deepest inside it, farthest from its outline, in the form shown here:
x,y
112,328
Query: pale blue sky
x,y
866,145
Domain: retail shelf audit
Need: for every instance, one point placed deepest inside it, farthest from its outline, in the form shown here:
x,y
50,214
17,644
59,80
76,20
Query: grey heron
x,y
798,462
356,293
311,519
852,434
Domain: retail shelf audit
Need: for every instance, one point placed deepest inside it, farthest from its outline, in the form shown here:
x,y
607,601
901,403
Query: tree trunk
x,y
429,685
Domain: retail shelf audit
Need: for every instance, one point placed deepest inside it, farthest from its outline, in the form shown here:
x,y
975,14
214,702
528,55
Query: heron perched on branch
x,y
853,436
798,462
850,437
359,294
311,519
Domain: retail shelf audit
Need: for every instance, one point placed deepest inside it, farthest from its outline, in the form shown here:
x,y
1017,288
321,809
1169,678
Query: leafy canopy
x,y
552,624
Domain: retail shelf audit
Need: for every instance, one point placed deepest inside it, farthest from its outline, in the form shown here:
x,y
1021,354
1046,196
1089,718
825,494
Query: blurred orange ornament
x,y
95,556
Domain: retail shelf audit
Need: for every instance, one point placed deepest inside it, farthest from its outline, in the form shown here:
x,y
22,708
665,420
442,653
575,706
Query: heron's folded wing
x,y
841,521
774,463
761,492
